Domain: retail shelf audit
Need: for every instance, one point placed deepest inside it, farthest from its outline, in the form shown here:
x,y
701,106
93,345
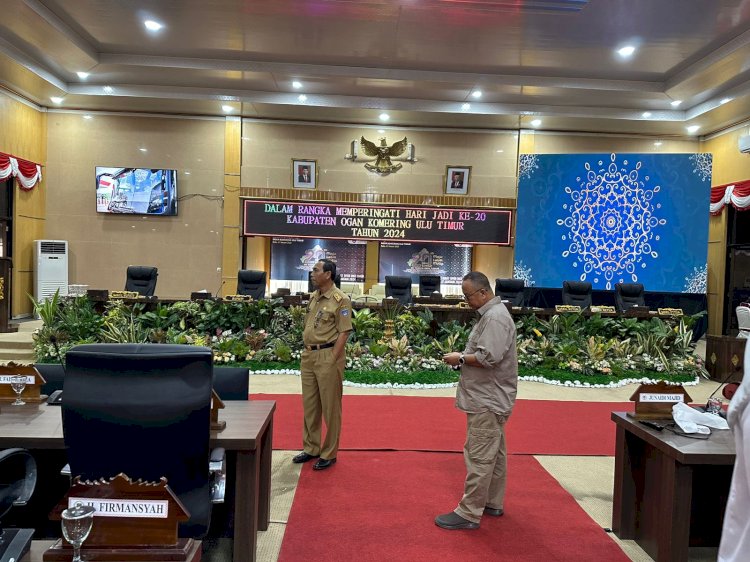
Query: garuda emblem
x,y
383,155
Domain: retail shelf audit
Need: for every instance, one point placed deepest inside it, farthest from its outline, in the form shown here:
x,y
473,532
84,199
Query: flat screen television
x,y
136,191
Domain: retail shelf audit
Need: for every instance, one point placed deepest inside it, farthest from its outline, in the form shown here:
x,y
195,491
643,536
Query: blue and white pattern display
x,y
615,218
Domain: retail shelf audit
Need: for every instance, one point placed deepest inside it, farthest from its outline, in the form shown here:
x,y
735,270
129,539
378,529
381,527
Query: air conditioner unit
x,y
744,143
51,272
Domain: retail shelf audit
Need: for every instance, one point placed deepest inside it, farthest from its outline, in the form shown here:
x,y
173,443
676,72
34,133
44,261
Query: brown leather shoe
x,y
452,521
493,511
303,457
322,464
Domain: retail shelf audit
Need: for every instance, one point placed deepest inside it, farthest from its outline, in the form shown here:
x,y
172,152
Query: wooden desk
x,y
247,437
670,491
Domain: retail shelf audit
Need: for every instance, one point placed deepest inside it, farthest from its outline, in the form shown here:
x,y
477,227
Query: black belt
x,y
316,347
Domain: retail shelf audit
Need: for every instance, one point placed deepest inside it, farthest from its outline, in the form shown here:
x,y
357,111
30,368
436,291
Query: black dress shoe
x,y
322,464
303,457
493,511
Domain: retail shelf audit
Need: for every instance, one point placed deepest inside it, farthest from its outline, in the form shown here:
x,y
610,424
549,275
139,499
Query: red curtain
x,y
736,194
27,174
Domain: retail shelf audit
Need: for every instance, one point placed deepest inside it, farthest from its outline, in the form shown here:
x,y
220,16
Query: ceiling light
x,y
296,85
381,131
536,122
108,89
187,173
143,149
83,75
152,25
466,107
676,103
227,108
476,94
626,51
57,100
657,143
646,114
499,150
384,117
302,97
693,128
87,116
725,100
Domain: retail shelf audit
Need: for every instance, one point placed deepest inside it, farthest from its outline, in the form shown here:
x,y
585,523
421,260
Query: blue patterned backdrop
x,y
610,218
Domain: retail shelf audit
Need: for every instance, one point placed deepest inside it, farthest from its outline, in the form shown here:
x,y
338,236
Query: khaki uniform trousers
x,y
322,387
486,460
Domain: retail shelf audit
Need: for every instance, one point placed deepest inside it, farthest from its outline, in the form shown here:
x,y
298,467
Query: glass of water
x,y
18,383
76,526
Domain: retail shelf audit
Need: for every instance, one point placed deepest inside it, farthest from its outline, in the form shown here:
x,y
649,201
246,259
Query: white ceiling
x,y
417,60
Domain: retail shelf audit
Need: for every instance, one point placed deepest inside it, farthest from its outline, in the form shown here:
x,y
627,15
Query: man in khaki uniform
x,y
486,392
327,326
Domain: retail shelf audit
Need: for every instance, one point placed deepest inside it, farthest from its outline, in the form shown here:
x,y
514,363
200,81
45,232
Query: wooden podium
x,y
6,265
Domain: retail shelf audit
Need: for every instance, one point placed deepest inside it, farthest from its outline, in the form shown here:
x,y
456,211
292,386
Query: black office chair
x,y
628,295
510,290
311,286
18,475
428,284
251,282
141,279
144,410
577,293
399,288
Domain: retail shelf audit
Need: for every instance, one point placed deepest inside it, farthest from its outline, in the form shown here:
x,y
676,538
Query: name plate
x,y
605,309
654,397
124,295
6,379
238,298
141,509
670,311
567,308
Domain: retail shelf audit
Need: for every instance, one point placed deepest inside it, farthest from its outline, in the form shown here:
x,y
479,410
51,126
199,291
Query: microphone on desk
x,y
722,383
216,294
56,397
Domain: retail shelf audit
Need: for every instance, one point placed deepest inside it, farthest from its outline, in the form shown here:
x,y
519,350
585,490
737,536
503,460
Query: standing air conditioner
x,y
51,273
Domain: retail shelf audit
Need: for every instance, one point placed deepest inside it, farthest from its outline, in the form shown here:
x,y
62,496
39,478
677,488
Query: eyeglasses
x,y
467,297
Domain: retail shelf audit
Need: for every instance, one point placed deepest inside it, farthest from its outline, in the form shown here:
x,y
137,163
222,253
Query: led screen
x,y
136,191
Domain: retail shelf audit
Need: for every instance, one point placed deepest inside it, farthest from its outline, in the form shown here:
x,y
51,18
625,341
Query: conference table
x,y
670,491
247,439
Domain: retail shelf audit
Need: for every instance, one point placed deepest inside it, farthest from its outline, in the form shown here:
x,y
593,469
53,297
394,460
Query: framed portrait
x,y
304,174
457,180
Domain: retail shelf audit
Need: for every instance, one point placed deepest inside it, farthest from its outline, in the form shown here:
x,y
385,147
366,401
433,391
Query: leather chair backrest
x,y
142,279
428,284
510,290
142,409
251,282
628,295
577,293
399,288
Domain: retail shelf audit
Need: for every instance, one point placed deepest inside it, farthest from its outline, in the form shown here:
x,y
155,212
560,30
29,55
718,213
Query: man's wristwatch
x,y
461,359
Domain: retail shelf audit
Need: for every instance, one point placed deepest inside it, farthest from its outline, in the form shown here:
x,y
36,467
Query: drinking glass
x,y
76,526
18,383
714,406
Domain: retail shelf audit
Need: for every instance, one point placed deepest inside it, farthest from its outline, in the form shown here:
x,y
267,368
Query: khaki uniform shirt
x,y
328,315
491,387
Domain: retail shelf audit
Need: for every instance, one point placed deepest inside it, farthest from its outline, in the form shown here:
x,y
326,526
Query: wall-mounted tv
x,y
136,191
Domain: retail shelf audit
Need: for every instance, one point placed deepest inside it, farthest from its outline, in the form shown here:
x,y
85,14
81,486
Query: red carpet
x,y
381,506
411,423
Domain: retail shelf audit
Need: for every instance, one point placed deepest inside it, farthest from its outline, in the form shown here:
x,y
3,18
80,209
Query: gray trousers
x,y
486,459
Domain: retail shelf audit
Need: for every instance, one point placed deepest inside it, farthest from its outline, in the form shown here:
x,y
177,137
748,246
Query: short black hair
x,y
478,279
328,265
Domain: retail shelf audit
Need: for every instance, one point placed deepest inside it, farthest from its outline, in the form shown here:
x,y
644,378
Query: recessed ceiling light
x,y
626,51
476,94
302,97
646,114
57,100
296,85
499,150
693,128
536,122
87,116
725,100
83,75
384,117
227,108
143,149
676,103
657,143
381,131
152,25
108,89
466,107
187,173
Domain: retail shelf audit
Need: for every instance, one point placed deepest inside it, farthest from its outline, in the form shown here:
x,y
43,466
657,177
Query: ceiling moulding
x,y
31,64
52,19
513,6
